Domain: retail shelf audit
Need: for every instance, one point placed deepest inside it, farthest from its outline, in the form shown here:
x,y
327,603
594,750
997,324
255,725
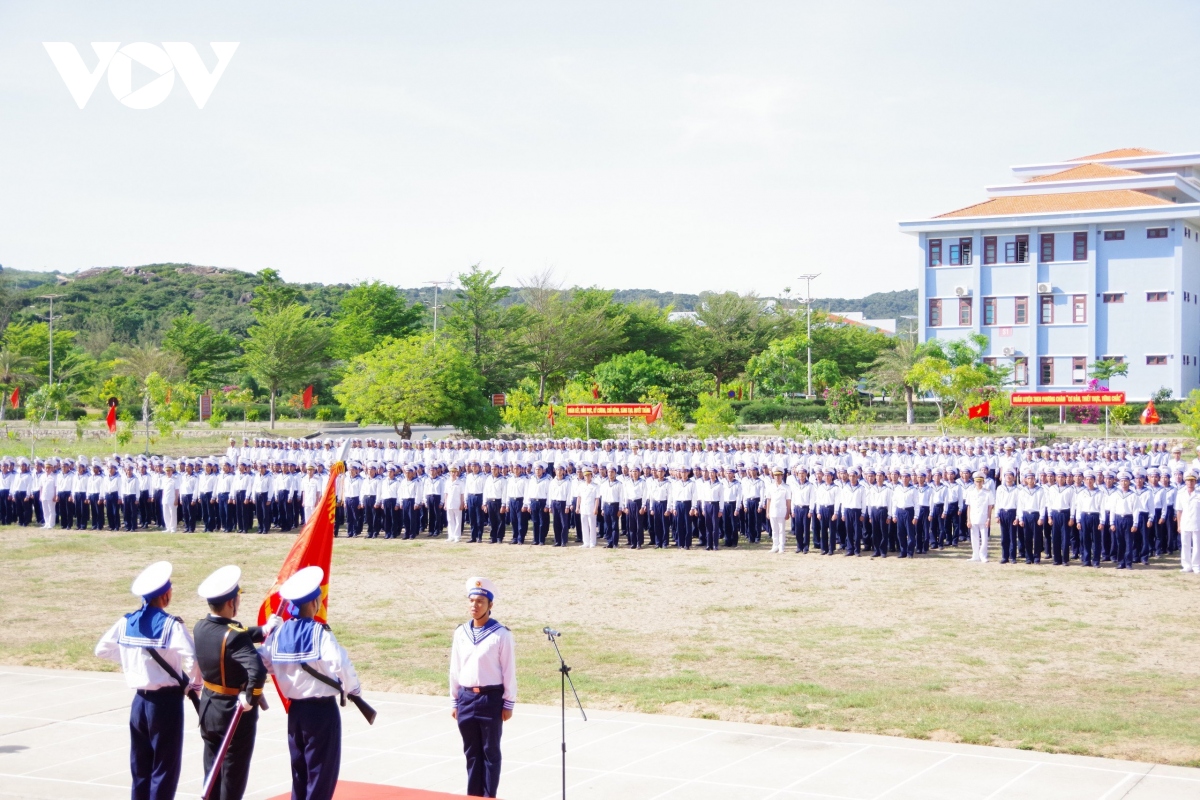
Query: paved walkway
x,y
64,735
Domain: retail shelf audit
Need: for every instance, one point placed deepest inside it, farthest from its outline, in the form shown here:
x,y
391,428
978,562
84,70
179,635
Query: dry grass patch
x,y
1065,660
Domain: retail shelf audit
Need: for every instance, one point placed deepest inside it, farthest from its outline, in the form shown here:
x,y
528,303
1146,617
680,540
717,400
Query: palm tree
x,y
891,372
143,360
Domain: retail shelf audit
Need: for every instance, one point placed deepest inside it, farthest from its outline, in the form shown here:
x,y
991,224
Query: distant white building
x,y
1093,258
859,319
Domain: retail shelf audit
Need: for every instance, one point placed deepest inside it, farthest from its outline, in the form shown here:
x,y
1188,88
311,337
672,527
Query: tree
x,y
1106,369
715,415
955,372
368,313
892,372
630,377
649,328
486,329
272,294
14,372
285,348
145,363
206,354
564,332
402,382
782,368
729,329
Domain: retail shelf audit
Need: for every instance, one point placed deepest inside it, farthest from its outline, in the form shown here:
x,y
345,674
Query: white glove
x,y
271,625
244,702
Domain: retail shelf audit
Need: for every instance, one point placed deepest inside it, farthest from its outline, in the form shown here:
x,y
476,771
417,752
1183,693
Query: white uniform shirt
x,y
333,662
141,670
491,661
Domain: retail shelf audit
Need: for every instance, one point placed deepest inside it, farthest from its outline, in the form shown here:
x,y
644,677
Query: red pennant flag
x,y
595,391
168,395
1150,414
313,547
550,416
984,409
15,400
308,398
739,394
654,414
111,419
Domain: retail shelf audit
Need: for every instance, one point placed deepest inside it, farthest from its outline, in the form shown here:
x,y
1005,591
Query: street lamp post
x,y
436,286
50,330
808,279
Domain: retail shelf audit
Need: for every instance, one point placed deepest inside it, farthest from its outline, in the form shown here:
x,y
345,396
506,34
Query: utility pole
x,y
808,279
50,325
436,286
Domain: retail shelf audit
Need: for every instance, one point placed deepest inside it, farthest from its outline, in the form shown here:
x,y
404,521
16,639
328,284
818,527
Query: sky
x,y
678,146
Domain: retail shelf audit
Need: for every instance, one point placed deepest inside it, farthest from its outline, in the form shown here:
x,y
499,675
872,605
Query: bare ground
x,y
1050,658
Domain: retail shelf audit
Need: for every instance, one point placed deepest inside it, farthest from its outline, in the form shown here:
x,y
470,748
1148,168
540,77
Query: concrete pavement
x,y
64,734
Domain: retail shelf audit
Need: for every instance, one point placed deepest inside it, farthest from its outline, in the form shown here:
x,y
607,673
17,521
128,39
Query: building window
x,y
1081,246
1020,310
989,361
1079,309
1114,236
1078,371
960,252
1046,371
1156,361
935,313
1047,247
1017,251
1113,297
1156,297
989,311
1021,371
935,252
1156,233
1114,359
1047,309
1187,297
989,249
964,311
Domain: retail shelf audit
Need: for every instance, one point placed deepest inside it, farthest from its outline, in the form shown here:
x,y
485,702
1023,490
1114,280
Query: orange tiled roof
x,y
1083,172
1067,201
1124,152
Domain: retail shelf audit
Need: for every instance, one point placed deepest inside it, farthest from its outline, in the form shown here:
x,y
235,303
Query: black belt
x,y
481,689
164,691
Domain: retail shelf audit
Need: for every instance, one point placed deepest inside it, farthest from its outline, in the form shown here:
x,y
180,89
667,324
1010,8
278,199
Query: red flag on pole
x,y
111,419
984,409
308,398
313,547
595,391
15,399
550,416
1150,414
168,395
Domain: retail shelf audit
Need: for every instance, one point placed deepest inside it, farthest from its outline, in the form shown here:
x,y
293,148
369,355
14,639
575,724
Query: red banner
x,y
609,409
1068,398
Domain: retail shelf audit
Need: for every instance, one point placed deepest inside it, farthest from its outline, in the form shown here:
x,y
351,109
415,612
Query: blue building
x,y
1093,258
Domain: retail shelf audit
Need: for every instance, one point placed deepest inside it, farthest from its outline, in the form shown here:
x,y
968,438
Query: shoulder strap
x,y
162,662
325,679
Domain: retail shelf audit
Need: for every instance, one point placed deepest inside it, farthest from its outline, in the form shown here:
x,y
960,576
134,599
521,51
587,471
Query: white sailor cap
x,y
304,586
481,586
221,586
153,581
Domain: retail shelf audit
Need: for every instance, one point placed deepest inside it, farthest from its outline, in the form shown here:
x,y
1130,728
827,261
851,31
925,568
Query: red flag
x,y
984,409
313,547
168,395
15,400
550,416
111,419
308,398
595,391
1149,414
739,394
654,414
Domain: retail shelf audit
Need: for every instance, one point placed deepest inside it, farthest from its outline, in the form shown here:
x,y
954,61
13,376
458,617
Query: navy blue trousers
x,y
480,724
155,743
315,744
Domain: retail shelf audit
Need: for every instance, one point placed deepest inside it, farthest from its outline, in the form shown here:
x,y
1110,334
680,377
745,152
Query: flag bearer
x,y
313,672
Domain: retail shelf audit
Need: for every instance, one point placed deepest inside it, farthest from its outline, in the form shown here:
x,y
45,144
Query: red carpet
x,y
351,790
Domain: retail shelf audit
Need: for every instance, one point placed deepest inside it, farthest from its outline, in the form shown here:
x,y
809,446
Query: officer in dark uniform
x,y
233,673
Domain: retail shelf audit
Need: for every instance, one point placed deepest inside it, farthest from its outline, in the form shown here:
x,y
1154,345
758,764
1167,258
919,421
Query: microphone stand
x,y
564,679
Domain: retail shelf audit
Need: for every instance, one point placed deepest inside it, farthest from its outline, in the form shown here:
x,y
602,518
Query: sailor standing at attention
x,y
483,686
233,675
156,654
313,672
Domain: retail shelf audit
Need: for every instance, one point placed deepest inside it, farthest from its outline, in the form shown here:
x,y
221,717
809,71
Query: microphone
x,y
550,632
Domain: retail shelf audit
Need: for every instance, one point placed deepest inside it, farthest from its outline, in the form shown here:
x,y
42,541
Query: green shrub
x,y
324,413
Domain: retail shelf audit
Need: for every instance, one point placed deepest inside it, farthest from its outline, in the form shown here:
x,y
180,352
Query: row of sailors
x,y
989,454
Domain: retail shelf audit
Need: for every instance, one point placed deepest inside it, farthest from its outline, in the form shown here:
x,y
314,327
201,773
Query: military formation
x,y
221,667
1088,501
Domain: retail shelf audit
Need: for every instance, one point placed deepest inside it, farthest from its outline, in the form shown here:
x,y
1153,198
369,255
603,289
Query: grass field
x,y
1058,659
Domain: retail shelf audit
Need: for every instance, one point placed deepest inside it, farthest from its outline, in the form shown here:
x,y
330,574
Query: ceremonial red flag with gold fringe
x,y
313,548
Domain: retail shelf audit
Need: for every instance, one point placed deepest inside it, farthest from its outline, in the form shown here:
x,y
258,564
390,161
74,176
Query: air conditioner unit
x,y
962,291
1045,288
1009,351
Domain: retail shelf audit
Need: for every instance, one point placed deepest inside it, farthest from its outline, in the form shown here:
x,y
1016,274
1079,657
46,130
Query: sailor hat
x,y
481,586
303,587
221,586
153,581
